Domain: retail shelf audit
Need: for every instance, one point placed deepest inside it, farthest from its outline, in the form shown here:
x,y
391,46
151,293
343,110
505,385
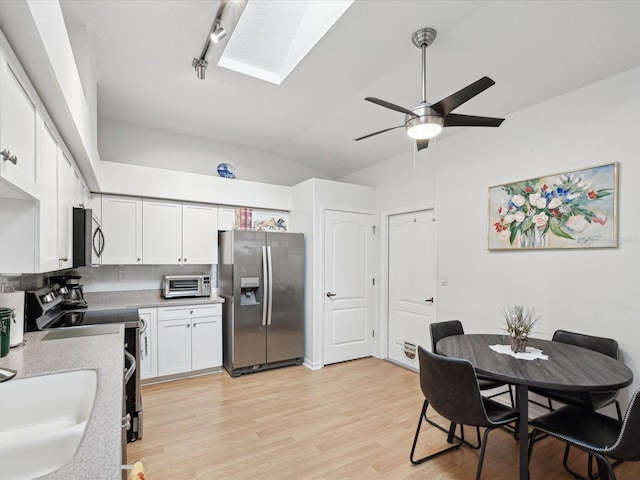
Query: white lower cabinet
x,y
189,338
148,343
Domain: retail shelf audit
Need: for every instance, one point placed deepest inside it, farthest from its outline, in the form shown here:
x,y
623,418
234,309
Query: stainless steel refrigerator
x,y
261,278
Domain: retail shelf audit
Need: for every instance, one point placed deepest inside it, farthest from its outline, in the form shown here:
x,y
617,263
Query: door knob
x,y
429,300
329,294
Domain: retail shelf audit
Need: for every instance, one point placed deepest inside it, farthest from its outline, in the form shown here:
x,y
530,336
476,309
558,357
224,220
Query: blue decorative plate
x,y
226,170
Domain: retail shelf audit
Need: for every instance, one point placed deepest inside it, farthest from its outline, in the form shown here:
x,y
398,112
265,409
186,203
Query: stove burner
x,y
73,304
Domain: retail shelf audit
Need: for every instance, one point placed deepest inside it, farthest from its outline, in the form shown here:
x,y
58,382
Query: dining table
x,y
567,367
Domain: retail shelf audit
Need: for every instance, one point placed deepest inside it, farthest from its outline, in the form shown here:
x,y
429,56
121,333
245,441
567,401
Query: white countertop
x,y
99,454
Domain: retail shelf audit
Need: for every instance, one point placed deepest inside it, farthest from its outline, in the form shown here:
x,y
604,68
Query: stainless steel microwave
x,y
186,286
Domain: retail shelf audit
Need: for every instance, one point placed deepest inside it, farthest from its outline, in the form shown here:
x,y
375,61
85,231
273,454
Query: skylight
x,y
272,37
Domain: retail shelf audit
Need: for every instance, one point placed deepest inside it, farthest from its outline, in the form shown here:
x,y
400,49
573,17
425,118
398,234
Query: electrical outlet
x,y
122,275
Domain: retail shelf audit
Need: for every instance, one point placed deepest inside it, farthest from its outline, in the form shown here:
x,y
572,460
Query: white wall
x,y
125,179
310,199
120,142
591,291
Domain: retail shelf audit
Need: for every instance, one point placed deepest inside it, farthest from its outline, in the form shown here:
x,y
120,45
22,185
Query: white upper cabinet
x,y
179,233
18,130
66,198
199,234
49,254
162,227
96,207
122,226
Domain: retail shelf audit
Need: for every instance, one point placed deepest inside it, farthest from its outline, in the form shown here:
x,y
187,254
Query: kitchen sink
x,y
42,421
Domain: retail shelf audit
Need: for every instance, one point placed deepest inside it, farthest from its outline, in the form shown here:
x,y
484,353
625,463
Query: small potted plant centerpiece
x,y
520,320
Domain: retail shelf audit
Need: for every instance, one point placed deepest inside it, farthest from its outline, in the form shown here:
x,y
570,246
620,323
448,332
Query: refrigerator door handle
x,y
270,265
265,285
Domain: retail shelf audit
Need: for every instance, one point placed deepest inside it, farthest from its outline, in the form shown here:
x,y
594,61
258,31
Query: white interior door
x,y
412,280
348,277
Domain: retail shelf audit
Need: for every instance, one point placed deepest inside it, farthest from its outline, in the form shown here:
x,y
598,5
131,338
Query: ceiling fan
x,y
427,120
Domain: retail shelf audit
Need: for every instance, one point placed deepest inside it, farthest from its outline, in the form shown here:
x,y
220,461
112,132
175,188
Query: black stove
x,y
46,309
75,318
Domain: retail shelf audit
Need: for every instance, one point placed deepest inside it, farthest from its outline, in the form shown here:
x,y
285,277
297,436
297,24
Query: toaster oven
x,y
186,286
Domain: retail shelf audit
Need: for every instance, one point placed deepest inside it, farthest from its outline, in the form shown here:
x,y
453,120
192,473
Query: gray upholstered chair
x,y
440,330
591,400
450,386
596,434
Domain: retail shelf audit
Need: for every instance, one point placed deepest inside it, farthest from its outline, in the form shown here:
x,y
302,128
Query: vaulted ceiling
x,y
534,50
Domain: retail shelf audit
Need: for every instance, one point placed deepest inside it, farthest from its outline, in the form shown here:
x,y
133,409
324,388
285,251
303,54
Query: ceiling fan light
x,y
424,131
425,126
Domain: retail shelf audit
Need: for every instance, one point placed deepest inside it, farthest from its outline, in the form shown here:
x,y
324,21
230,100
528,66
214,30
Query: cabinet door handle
x,y
138,259
64,259
6,155
329,294
185,260
188,325
194,324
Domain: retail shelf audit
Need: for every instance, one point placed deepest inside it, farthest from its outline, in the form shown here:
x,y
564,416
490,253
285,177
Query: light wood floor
x,y
353,420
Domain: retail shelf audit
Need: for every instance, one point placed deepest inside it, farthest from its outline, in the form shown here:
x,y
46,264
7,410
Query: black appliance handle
x,y
98,251
132,368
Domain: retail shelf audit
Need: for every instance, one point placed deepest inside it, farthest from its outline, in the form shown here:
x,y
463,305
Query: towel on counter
x,y
137,472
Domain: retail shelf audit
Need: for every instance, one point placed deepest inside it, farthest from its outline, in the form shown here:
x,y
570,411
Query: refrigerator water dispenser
x,y
250,291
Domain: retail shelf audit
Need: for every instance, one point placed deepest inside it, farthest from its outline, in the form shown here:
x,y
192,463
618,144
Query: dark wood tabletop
x,y
567,368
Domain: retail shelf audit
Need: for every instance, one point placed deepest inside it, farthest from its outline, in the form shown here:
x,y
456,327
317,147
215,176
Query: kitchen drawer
x,y
193,311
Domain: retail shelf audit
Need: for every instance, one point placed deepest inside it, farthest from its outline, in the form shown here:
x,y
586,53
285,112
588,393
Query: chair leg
x,y
418,461
450,440
592,475
482,452
532,441
604,467
565,464
618,411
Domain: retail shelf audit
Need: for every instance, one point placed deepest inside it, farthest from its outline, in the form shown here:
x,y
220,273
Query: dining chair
x,y
440,330
450,386
599,435
591,400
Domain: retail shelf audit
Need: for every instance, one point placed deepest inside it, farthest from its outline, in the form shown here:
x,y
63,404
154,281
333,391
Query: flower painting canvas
x,y
567,210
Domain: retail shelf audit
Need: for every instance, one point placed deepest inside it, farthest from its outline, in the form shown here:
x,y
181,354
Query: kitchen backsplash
x,y
111,278
9,283
114,278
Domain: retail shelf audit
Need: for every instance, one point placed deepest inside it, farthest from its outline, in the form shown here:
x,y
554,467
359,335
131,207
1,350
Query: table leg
x,y
523,405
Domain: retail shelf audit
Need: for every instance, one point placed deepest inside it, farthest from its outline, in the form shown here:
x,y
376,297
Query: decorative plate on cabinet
x,y
226,170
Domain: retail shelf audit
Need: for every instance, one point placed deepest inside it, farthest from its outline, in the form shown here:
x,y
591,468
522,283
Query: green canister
x,y
5,325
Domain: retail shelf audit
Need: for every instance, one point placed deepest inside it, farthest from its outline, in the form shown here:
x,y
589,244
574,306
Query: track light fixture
x,y
216,34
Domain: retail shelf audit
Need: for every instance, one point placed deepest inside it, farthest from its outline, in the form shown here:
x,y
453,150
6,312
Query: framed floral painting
x,y
576,209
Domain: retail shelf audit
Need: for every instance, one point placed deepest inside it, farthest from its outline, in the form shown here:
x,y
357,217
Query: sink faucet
x,y
6,374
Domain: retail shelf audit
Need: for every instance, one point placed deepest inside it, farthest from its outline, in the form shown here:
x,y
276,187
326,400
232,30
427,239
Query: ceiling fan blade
x,y
376,133
447,105
392,106
455,120
422,143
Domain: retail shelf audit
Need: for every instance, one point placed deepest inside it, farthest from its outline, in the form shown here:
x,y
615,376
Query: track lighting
x,y
200,66
218,33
